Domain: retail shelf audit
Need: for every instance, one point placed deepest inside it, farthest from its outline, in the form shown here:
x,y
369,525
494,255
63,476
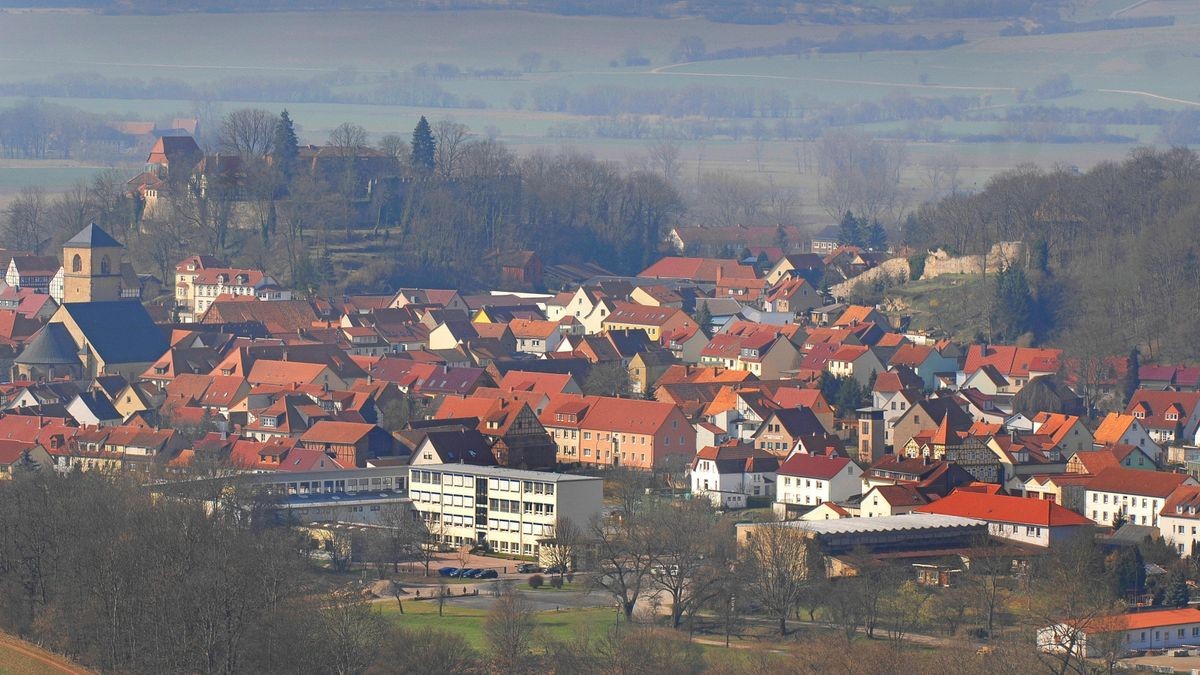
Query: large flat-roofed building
x,y
909,532
509,510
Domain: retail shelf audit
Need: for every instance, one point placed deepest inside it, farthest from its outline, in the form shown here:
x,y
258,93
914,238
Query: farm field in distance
x,y
1151,67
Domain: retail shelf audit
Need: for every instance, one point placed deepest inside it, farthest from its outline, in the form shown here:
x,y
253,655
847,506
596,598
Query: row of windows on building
x,y
494,484
1125,500
625,456
437,498
1030,530
1162,635
1102,517
339,485
532,529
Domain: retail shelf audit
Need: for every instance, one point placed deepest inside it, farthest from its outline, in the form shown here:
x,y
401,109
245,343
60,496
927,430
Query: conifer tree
x,y
423,146
849,230
286,145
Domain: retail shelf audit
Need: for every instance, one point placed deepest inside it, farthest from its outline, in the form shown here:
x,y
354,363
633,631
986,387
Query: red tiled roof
x,y
901,494
642,315
1012,361
1113,427
326,431
1006,509
813,466
1135,482
549,383
1143,620
1155,405
911,355
698,269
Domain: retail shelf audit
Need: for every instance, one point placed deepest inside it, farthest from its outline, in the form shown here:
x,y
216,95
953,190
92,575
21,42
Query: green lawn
x,y
564,625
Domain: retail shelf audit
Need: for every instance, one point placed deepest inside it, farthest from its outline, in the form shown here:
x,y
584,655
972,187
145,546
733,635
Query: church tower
x,y
92,267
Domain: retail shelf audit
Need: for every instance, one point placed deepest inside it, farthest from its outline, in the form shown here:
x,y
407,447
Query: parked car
x,y
553,570
471,574
446,571
456,572
488,574
528,568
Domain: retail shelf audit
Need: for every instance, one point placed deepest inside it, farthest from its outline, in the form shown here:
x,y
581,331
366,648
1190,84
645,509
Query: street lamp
x,y
729,617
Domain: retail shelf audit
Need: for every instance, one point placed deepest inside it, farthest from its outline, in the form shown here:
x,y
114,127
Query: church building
x,y
95,331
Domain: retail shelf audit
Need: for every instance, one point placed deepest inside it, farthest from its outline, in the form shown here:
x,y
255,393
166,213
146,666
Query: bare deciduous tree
x,y
348,138
780,565
353,629
665,158
248,132
562,551
451,139
694,549
859,174
623,558
509,629
25,221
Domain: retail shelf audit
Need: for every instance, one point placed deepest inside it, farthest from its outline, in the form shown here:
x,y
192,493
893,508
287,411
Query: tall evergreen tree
x,y
1132,380
286,145
1176,593
423,146
1015,309
875,237
850,230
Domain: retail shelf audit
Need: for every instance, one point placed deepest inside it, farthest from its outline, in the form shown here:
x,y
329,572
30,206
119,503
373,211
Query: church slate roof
x,y
93,236
52,345
119,332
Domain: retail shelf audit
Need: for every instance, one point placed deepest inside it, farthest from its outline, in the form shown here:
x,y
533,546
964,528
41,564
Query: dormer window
x,y
242,279
1140,415
1172,417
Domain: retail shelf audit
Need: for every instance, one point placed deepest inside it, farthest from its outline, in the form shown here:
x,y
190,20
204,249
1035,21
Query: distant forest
x,y
725,11
1112,255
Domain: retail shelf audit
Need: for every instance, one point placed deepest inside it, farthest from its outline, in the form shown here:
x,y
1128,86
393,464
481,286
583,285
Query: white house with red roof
x,y
891,500
1035,522
1168,416
1139,496
810,480
535,337
1179,520
855,361
731,474
1160,629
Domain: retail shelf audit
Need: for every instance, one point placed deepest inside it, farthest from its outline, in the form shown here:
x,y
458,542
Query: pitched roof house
x,y
1169,416
1034,522
732,474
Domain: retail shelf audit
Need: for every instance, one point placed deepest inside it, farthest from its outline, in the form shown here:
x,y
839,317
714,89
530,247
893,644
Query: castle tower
x,y
92,267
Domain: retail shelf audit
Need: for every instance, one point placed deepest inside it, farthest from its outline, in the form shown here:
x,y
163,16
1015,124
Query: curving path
x,y
41,656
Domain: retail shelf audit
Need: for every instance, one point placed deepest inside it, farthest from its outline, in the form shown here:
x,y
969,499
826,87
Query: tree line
x,y
1111,259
